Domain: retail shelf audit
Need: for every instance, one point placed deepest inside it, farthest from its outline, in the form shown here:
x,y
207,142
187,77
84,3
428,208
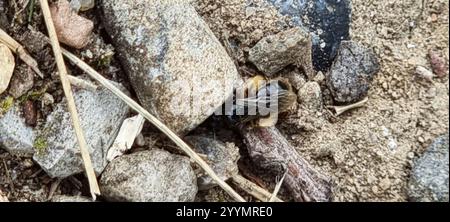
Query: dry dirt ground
x,y
372,148
367,152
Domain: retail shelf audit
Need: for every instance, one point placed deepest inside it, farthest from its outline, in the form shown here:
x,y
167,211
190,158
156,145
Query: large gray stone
x,y
327,20
15,136
101,115
273,53
149,176
221,156
352,73
429,178
178,68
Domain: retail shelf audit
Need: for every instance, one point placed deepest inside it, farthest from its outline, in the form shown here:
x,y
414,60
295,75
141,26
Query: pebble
x,y
16,136
296,79
429,181
140,140
375,189
327,21
438,64
275,52
30,113
3,198
411,155
149,176
47,99
21,82
27,163
310,96
82,5
424,73
392,144
101,114
71,29
385,184
434,17
222,157
351,74
320,77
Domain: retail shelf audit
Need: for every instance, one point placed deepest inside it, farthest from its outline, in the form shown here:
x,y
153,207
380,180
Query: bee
x,y
261,100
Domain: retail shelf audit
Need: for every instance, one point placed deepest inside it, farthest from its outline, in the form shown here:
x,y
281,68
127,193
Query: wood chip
x,y
130,129
3,197
20,51
81,83
7,65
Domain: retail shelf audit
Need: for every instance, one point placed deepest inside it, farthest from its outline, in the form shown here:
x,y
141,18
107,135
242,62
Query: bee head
x,y
286,95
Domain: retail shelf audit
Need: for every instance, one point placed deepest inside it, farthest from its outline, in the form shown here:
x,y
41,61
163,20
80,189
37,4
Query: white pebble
x,y
424,73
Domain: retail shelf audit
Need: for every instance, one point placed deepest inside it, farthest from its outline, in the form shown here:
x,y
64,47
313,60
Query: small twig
x,y
53,188
339,110
31,11
81,83
138,108
35,174
18,10
24,6
20,51
277,188
271,151
254,190
93,185
10,181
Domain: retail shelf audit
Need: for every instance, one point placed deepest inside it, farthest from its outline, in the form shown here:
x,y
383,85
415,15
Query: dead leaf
x,y
6,67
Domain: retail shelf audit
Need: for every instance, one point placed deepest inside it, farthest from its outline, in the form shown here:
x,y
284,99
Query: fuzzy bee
x,y
260,101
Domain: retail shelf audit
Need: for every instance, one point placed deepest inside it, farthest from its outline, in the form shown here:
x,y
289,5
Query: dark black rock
x,y
352,72
327,20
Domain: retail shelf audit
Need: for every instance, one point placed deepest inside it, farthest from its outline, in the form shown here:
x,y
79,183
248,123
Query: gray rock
x,y
149,176
15,136
64,198
310,97
352,72
178,68
275,52
429,179
222,157
101,115
21,82
296,79
328,22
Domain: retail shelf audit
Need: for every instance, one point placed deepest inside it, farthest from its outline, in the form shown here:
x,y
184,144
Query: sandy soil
x,y
372,148
368,152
